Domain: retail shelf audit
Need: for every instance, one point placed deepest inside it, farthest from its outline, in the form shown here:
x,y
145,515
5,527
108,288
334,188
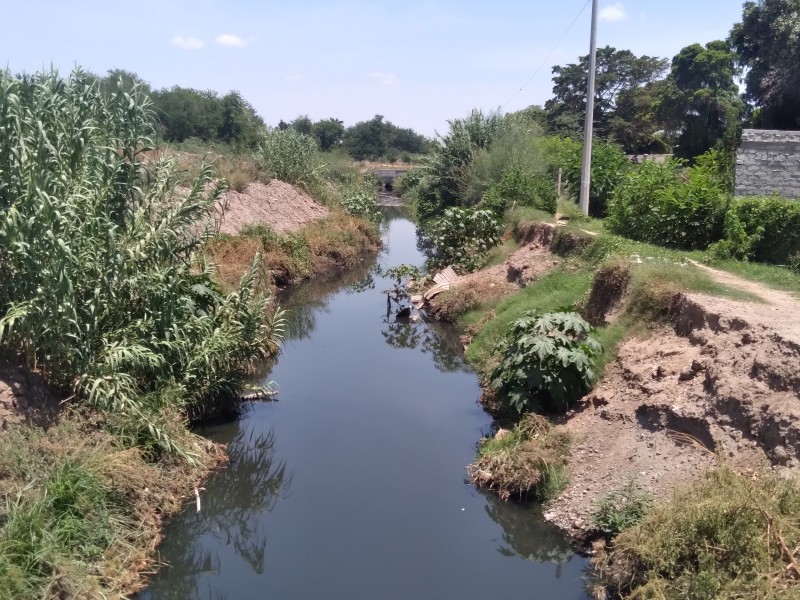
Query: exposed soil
x,y
25,398
721,384
283,207
530,261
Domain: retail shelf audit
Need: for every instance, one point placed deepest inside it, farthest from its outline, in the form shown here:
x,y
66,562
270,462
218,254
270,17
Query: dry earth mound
x,y
723,380
283,207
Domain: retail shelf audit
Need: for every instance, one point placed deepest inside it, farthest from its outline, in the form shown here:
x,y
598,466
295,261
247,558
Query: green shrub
x,y
523,188
291,156
622,508
762,229
461,237
548,362
668,205
609,166
726,536
361,204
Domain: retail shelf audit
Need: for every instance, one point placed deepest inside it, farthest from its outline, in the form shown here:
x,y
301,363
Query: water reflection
x,y
526,534
231,517
429,337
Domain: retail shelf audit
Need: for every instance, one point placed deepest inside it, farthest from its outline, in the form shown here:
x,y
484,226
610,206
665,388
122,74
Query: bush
x,y
609,166
362,204
669,205
622,508
529,460
461,237
523,188
291,156
548,362
762,229
726,536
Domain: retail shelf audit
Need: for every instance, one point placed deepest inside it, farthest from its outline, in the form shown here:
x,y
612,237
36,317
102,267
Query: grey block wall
x,y
768,162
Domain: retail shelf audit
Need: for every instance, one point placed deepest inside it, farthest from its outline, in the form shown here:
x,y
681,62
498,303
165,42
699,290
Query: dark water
x,y
353,485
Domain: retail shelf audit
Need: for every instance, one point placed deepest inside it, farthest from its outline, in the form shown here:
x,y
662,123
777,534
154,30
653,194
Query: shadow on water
x,y
250,486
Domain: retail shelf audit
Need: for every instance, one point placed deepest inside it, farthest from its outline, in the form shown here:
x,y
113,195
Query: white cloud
x,y
384,78
187,43
228,39
293,77
613,12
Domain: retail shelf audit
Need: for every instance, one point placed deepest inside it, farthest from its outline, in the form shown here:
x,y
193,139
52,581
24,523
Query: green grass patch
x,y
560,288
527,461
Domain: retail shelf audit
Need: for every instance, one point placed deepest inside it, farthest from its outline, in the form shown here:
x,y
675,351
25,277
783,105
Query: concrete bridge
x,y
387,176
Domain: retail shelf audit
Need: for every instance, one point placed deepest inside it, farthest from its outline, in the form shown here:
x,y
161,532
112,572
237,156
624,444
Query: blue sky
x,y
417,63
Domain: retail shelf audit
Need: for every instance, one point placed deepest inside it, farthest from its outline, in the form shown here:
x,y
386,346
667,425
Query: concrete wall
x,y
768,162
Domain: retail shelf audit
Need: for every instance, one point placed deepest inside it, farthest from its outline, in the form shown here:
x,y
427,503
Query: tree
x,y
241,125
701,103
617,71
767,45
367,139
328,132
302,124
635,121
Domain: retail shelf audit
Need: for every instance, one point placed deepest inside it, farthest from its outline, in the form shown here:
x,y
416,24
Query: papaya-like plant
x,y
548,362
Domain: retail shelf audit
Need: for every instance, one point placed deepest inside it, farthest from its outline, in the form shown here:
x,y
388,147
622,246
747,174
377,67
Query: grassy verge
x,y
83,509
727,536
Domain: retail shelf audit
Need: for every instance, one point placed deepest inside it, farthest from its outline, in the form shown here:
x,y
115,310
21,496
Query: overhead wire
x,y
546,58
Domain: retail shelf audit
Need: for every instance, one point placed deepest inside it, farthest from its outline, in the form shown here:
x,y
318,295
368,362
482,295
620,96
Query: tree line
x,y
692,103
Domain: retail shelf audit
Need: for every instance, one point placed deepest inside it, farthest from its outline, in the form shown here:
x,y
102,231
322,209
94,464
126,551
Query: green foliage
x,y
103,287
726,536
527,461
762,229
548,362
461,237
669,205
376,139
618,71
518,187
609,167
184,113
329,133
622,508
75,520
767,47
701,100
290,156
362,204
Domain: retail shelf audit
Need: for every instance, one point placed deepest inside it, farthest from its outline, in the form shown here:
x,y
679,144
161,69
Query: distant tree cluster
x,y
693,103
368,140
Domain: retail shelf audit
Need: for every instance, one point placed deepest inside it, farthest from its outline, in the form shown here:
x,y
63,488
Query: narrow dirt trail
x,y
779,311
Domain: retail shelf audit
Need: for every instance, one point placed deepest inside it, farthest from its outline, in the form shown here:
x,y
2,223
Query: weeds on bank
x,y
727,536
526,462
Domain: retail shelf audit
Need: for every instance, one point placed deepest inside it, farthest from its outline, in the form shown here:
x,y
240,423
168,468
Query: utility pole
x,y
586,174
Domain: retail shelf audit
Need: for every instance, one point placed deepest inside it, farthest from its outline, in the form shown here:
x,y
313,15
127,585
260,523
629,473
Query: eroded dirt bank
x,y
720,384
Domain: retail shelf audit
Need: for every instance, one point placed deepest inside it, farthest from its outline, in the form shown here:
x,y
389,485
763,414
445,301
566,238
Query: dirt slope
x,y
283,207
724,379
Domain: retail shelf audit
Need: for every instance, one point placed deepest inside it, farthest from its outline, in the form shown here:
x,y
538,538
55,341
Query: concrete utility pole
x,y
586,174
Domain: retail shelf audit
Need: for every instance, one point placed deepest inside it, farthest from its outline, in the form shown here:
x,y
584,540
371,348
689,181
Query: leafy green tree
x,y
701,101
635,121
617,71
302,124
367,139
609,166
329,133
241,125
767,45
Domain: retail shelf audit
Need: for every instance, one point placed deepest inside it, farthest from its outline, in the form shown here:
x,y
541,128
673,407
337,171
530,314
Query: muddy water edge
x,y
352,485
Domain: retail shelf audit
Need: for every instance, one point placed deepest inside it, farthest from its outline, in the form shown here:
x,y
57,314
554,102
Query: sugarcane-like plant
x,y
103,285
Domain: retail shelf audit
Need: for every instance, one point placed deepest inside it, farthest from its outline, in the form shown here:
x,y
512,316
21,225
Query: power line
x,y
546,58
